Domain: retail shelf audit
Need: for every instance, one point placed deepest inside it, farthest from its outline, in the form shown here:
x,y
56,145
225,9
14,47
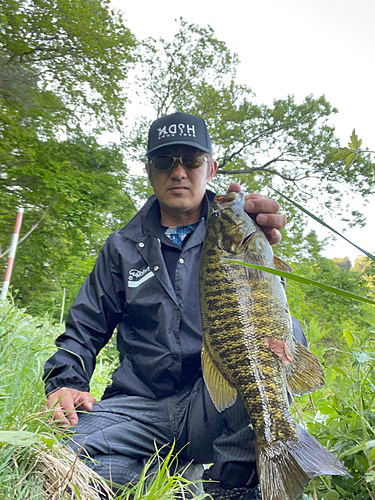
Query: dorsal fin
x,y
281,265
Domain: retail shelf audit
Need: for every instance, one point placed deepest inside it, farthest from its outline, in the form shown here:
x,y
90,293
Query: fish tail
x,y
285,470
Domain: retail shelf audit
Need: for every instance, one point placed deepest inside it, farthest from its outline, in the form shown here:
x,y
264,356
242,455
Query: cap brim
x,y
176,143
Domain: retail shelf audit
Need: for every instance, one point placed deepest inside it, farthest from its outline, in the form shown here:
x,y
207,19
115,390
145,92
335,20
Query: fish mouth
x,y
226,198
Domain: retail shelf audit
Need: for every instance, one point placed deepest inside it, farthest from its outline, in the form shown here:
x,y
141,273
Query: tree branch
x,y
263,167
29,232
270,130
256,169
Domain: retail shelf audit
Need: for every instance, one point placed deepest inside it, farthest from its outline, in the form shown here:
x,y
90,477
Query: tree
x,y
77,49
343,263
288,145
361,263
62,67
80,185
330,312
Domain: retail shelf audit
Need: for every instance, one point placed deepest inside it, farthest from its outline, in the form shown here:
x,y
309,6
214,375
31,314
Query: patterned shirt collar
x,y
178,233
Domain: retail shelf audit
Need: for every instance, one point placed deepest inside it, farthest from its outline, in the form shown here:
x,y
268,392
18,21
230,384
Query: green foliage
x,y
77,187
288,145
62,62
343,263
184,66
166,483
24,342
349,154
361,264
332,314
77,49
342,416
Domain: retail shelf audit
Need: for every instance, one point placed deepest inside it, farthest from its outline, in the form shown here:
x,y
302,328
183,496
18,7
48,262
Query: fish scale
x,y
249,350
231,320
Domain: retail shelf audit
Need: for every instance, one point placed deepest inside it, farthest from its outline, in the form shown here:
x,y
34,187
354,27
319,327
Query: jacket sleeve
x,y
94,315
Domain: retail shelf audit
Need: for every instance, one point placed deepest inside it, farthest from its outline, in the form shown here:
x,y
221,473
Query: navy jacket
x,y
159,326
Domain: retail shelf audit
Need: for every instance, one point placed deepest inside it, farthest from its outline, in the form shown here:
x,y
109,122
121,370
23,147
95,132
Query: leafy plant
x,y
62,67
161,479
33,462
342,416
350,154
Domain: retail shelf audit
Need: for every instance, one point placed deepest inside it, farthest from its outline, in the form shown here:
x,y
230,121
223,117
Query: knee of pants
x,y
204,424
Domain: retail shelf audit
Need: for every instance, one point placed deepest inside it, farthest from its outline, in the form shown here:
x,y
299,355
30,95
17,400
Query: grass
x,y
163,485
34,464
342,415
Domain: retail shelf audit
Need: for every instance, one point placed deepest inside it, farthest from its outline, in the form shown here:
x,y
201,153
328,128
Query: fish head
x,y
230,227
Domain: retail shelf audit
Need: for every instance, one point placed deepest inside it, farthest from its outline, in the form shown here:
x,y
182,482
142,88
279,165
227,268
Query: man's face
x,y
180,191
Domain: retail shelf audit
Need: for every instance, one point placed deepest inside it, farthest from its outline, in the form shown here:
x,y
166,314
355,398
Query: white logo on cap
x,y
183,130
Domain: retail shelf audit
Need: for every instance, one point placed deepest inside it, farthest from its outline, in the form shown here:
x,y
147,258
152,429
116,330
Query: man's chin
x,y
179,204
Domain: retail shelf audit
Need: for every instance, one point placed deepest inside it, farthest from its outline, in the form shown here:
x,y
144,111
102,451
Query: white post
x,y
12,254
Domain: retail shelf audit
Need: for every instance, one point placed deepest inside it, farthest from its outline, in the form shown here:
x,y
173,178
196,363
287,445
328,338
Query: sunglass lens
x,y
191,161
162,162
166,162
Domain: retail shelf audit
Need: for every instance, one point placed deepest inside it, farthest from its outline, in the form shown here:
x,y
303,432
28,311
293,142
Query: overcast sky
x,y
298,47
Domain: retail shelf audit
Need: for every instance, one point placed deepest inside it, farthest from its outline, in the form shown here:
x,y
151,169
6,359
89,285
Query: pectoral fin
x,y
305,374
223,394
281,265
280,349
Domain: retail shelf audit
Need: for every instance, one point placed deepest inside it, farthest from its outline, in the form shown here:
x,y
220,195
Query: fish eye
x,y
216,214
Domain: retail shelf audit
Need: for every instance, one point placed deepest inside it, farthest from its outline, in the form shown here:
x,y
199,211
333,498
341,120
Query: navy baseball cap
x,y
179,128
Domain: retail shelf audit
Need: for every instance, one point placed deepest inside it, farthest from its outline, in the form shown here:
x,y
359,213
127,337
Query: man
x,y
145,281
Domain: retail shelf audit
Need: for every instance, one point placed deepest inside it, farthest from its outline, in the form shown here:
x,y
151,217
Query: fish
x,y
249,351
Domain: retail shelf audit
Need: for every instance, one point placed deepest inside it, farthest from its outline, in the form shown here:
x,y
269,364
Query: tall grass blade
x,y
305,281
34,464
369,255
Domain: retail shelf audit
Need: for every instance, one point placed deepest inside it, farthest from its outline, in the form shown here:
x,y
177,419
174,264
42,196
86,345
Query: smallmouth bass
x,y
249,350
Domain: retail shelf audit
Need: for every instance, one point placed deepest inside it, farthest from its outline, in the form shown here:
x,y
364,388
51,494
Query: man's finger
x,y
63,403
261,206
234,187
273,235
67,405
59,417
276,221
256,196
85,401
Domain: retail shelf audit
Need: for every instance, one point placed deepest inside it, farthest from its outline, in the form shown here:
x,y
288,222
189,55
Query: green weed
x,y
342,416
34,464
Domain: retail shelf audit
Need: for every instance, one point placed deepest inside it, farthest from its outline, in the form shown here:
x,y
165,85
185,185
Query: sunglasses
x,y
188,160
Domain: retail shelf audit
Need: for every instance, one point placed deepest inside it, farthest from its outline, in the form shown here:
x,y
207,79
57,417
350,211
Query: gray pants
x,y
121,434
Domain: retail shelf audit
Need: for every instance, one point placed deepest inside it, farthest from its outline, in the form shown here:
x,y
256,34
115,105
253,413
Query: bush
x,y
342,416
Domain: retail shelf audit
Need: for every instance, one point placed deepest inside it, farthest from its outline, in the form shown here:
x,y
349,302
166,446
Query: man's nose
x,y
178,170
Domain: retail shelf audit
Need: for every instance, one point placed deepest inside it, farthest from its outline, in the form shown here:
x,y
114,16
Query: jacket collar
x,y
147,220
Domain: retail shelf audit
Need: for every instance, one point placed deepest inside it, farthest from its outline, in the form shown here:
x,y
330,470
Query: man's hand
x,y
268,218
65,401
